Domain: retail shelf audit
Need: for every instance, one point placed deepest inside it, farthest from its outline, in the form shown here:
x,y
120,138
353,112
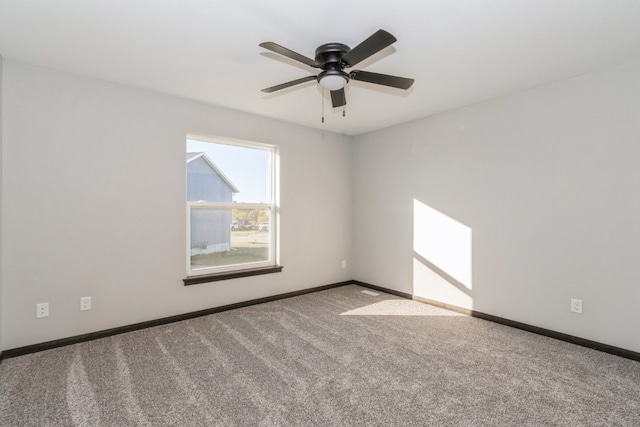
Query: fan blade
x,y
289,54
338,98
374,44
289,84
381,79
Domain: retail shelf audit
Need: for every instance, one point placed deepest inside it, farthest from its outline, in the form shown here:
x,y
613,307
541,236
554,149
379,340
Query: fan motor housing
x,y
328,55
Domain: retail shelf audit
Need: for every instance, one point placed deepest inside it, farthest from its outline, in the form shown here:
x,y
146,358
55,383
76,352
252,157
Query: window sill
x,y
205,278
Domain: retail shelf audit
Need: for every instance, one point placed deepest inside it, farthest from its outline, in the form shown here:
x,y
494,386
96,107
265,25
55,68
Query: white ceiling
x,y
459,51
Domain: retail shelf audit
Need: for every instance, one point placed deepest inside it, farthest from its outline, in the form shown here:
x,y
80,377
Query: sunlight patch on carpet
x,y
399,307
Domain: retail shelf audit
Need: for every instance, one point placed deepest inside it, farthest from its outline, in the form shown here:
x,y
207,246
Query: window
x,y
231,209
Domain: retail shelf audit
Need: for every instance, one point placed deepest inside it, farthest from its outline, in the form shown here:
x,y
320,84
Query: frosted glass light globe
x,y
333,82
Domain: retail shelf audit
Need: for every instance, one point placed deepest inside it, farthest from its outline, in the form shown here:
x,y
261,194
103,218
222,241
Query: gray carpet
x,y
331,358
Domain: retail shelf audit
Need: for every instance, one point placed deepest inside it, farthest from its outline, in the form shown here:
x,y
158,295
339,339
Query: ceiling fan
x,y
333,58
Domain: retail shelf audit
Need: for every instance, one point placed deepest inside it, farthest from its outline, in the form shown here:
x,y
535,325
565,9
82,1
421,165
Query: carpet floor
x,y
338,357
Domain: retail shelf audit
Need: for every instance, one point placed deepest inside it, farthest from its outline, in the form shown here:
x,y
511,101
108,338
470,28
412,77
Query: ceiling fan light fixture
x,y
333,58
333,79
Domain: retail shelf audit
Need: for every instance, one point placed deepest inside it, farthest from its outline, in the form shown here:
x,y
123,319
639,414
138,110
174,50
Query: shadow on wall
x,y
442,257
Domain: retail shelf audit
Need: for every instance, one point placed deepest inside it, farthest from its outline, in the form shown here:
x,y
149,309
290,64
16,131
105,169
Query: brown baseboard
x,y
606,348
617,351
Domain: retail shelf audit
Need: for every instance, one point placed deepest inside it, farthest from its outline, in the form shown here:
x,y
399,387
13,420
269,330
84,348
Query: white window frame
x,y
271,205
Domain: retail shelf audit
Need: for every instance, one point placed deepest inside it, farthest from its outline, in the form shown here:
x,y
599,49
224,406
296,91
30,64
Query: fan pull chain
x,y
322,105
343,110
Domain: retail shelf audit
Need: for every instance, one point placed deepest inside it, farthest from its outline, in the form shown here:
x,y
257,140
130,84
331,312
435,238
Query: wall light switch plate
x,y
85,303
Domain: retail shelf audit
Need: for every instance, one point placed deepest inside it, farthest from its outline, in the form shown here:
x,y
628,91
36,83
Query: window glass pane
x,y
246,169
229,236
230,200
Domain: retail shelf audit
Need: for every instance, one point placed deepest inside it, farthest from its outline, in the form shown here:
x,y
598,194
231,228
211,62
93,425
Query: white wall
x,y
546,181
94,204
1,198
549,184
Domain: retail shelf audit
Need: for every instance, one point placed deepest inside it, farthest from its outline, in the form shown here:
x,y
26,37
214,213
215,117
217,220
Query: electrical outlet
x,y
344,263
85,303
576,305
42,310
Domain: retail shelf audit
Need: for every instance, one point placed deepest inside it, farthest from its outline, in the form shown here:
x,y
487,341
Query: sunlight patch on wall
x,y
442,241
399,307
429,284
442,263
